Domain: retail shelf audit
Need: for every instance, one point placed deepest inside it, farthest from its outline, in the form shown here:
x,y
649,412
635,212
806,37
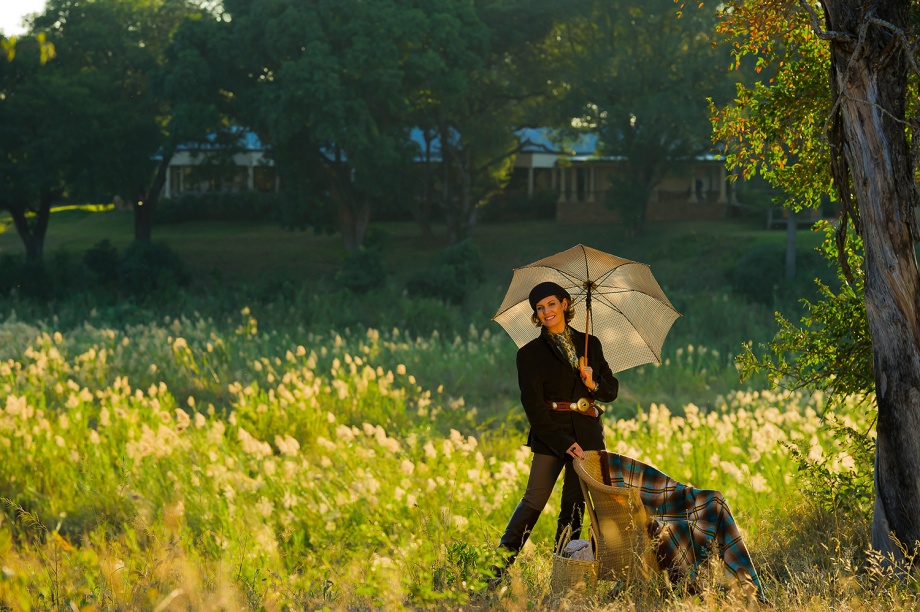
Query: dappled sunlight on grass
x,y
95,208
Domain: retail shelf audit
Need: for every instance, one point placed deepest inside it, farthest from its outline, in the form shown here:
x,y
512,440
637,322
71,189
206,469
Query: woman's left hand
x,y
587,376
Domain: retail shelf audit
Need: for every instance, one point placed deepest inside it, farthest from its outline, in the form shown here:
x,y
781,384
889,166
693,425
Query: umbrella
x,y
626,308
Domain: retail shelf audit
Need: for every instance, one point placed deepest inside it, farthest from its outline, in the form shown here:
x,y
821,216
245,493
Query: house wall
x,y
699,192
190,173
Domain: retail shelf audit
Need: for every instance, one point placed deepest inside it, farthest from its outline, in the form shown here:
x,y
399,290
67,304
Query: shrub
x,y
102,262
147,267
760,273
362,270
58,277
9,273
460,268
24,278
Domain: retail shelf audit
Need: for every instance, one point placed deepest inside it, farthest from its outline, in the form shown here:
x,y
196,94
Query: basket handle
x,y
563,537
589,505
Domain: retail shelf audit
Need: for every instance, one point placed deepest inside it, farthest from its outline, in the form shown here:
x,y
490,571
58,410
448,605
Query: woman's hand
x,y
575,451
587,376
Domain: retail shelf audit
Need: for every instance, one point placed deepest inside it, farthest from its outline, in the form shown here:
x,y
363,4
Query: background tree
x,y
639,77
326,84
45,121
863,128
338,88
27,187
492,81
8,47
118,48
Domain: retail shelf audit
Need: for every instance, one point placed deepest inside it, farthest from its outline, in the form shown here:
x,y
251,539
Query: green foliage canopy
x,y
639,75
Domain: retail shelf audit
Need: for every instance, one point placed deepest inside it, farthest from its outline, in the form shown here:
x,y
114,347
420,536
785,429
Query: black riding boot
x,y
516,533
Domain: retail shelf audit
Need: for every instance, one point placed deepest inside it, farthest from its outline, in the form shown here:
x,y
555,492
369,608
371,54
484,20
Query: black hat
x,y
546,289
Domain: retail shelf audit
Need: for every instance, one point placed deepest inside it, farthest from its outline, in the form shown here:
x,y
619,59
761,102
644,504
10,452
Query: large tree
x,y
327,84
337,89
639,76
45,119
842,94
27,185
118,50
489,80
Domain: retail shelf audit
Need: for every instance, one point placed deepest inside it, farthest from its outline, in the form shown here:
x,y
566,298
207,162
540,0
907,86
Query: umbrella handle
x,y
583,361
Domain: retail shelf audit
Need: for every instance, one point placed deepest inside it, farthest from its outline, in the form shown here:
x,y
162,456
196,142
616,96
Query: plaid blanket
x,y
688,523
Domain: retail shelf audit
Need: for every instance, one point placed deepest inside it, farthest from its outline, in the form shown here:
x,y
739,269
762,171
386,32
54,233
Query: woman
x,y
558,395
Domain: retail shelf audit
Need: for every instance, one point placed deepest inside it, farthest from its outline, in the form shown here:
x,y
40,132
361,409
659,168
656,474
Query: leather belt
x,y
583,406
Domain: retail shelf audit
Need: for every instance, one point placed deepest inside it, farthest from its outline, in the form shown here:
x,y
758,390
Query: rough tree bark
x,y
873,166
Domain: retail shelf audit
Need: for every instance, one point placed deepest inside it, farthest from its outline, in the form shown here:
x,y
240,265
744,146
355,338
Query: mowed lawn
x,y
691,255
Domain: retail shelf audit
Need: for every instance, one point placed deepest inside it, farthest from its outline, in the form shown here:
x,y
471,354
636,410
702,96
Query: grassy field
x,y
256,444
248,252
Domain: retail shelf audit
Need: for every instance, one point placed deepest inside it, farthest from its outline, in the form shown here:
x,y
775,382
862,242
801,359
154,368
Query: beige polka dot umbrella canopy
x,y
619,298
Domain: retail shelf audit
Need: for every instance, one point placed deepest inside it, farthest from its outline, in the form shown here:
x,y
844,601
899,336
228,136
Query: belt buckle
x,y
582,404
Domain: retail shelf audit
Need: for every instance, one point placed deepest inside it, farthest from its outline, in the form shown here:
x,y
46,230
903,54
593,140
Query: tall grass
x,y
193,464
282,444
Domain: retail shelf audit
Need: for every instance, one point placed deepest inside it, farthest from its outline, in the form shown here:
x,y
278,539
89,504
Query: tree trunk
x,y
354,210
145,207
871,82
421,208
460,211
355,217
33,236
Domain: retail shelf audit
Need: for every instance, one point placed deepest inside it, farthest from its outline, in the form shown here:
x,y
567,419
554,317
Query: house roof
x,y
246,140
545,140
581,148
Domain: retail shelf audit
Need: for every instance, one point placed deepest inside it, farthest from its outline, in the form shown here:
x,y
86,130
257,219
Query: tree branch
x,y
901,37
878,107
816,25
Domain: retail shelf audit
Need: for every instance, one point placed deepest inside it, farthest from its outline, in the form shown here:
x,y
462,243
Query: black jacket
x,y
544,373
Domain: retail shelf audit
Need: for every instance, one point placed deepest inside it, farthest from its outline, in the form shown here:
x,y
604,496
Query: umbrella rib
x,y
609,272
638,332
615,290
572,277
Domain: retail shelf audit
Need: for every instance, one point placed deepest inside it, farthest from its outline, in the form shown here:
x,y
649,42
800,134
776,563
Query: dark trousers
x,y
544,471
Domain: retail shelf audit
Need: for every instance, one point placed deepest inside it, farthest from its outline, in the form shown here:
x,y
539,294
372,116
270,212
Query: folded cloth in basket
x,y
579,549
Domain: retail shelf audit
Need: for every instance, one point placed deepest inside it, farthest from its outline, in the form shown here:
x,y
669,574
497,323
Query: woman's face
x,y
551,313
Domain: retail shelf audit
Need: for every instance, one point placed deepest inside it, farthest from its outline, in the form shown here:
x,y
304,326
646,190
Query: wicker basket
x,y
620,523
572,574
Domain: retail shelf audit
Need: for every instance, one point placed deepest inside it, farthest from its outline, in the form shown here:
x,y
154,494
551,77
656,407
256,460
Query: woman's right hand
x,y
575,451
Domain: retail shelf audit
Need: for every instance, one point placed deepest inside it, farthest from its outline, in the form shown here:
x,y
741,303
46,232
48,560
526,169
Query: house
x,y
221,167
580,179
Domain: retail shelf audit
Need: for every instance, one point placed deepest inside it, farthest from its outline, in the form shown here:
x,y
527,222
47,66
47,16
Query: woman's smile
x,y
552,313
